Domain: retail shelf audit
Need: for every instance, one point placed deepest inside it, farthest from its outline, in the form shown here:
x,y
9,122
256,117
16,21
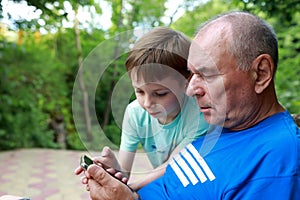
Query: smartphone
x,y
85,161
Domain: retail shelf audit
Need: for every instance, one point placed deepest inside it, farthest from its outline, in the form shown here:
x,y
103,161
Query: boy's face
x,y
161,99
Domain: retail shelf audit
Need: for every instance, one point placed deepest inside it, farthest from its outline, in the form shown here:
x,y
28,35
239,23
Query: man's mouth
x,y
205,108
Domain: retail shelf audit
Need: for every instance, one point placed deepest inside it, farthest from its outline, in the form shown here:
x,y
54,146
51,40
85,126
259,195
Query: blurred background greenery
x,y
40,57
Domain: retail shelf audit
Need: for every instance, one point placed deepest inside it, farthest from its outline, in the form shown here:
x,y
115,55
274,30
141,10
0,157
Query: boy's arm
x,y
126,160
156,173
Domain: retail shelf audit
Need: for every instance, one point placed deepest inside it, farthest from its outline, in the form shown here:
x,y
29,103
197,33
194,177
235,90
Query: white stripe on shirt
x,y
194,165
186,169
189,164
179,173
201,161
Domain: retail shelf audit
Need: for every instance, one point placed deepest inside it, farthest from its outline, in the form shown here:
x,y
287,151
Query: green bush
x,y
31,88
113,133
75,142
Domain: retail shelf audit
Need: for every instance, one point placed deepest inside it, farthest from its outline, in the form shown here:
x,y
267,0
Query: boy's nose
x,y
148,102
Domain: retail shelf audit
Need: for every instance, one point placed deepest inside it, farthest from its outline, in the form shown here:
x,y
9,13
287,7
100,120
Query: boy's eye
x,y
161,94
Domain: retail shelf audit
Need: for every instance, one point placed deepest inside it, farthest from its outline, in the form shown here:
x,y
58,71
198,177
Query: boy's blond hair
x,y
159,49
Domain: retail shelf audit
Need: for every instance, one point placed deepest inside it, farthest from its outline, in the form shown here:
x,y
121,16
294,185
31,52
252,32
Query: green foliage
x,y
288,75
75,142
30,89
37,77
283,10
200,14
113,133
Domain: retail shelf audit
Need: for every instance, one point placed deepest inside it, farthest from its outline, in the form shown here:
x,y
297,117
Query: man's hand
x,y
103,186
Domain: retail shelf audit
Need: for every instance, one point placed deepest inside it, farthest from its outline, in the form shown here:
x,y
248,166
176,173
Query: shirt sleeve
x,y
154,190
129,138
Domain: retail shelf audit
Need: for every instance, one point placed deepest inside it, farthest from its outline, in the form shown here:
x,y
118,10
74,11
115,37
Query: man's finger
x,y
125,180
97,191
111,170
84,180
103,186
100,175
78,170
118,175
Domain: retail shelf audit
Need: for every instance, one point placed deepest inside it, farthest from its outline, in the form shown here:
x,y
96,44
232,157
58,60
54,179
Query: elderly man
x,y
253,153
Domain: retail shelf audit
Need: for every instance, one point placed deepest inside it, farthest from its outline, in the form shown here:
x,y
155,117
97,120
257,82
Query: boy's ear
x,y
264,68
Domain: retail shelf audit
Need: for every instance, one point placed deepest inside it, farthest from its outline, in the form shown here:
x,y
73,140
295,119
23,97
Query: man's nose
x,y
189,89
195,87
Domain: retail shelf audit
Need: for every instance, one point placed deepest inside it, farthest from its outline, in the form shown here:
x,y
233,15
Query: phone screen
x,y
85,161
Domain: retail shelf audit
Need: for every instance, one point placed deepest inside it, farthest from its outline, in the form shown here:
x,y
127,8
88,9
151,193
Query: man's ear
x,y
264,68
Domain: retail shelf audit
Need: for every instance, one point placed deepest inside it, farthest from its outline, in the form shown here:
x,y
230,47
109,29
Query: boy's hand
x,y
109,162
108,159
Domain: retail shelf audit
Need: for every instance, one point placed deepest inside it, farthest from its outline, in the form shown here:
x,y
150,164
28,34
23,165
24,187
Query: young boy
x,y
162,118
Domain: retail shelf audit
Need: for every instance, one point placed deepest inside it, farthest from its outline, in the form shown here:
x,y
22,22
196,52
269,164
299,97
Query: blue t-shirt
x,y
261,162
160,140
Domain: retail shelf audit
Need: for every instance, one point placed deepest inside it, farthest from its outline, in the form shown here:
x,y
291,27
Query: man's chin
x,y
214,120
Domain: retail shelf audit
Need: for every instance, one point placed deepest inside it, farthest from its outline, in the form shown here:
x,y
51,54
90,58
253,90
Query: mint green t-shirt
x,y
160,140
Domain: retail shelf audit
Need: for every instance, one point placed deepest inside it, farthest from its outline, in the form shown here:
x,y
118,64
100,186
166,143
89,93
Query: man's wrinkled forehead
x,y
208,44
199,58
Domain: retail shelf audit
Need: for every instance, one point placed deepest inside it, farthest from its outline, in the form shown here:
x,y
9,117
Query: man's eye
x,y
209,77
189,78
139,91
